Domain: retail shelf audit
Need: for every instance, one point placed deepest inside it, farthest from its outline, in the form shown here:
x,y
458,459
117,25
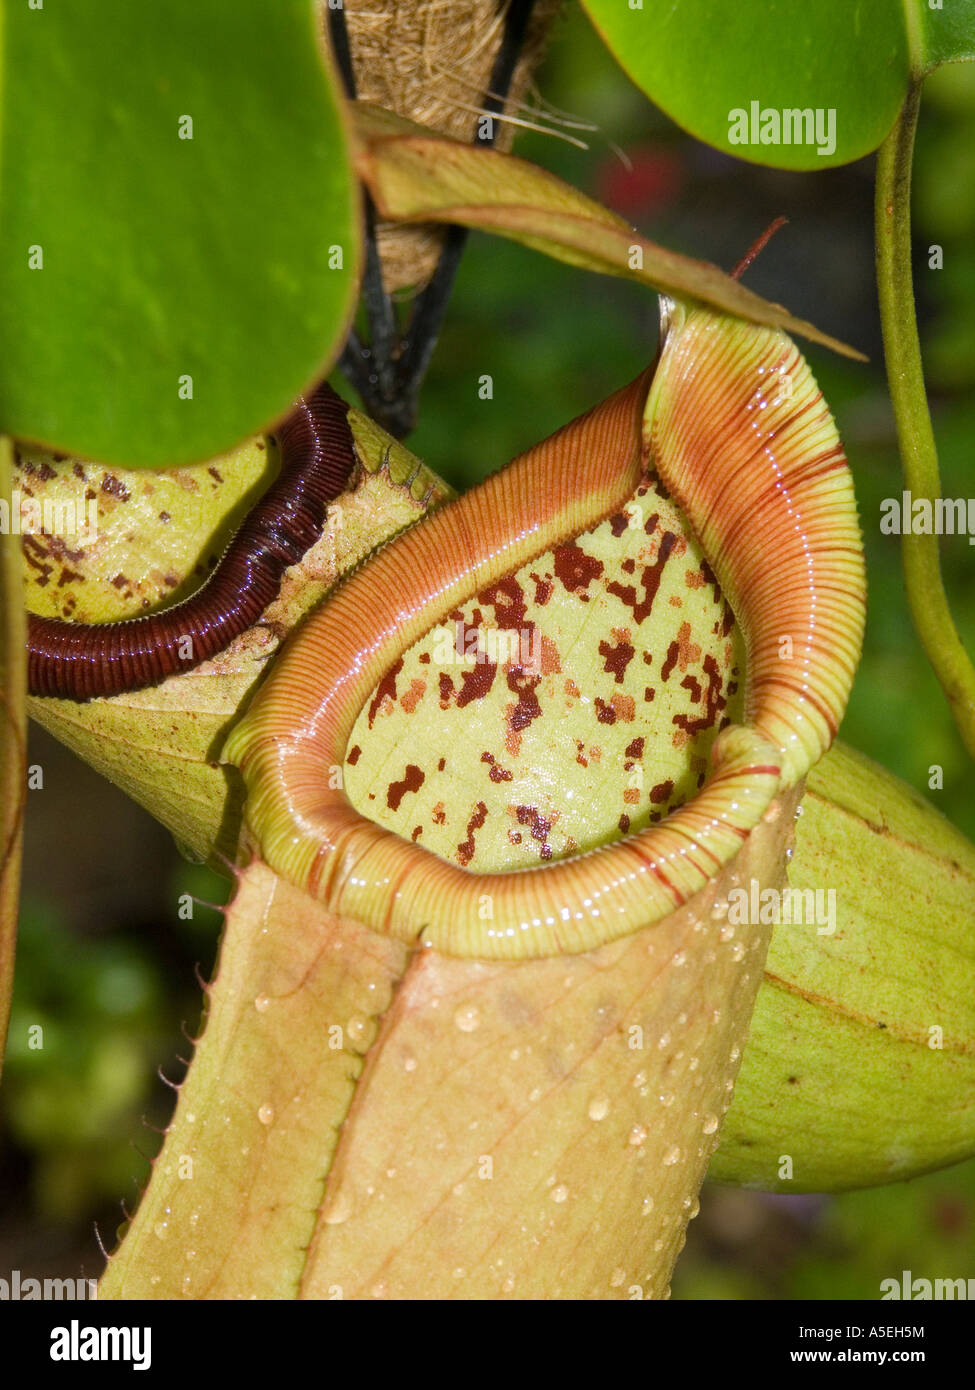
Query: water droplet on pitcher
x,y
710,1124
647,1206
261,1003
598,1108
266,1114
559,1193
638,1135
467,1018
338,1209
671,1157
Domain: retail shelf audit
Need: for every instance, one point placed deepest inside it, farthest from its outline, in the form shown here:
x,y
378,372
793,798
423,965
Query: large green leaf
x,y
945,34
703,61
133,257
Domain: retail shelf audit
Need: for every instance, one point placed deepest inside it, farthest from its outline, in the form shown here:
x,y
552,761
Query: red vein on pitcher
x,y
298,727
79,661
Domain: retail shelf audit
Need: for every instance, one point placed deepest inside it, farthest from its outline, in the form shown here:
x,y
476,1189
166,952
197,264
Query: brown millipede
x,y
80,661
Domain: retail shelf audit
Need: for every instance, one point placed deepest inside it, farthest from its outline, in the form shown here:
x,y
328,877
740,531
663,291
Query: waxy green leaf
x,y
178,246
944,32
704,62
741,77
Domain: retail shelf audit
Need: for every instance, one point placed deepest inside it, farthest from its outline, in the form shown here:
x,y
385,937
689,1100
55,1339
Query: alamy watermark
x,y
908,515
25,516
755,905
78,1343
469,646
764,125
923,1290
19,1289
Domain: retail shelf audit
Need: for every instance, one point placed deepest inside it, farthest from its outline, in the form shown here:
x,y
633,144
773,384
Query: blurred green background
x,y
110,940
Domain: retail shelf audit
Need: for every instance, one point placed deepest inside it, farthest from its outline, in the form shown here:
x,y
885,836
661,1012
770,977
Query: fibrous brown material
x,y
431,61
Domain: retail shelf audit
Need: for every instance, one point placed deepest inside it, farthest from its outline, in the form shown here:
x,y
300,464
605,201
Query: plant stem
x,y
905,374
370,369
388,372
424,327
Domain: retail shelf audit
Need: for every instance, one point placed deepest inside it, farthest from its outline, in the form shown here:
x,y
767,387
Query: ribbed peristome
x,y
734,426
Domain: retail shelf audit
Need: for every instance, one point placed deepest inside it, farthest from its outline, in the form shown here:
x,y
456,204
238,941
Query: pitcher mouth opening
x,y
734,425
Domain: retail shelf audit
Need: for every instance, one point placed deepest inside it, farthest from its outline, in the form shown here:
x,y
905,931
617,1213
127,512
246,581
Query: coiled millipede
x,y
80,661
734,425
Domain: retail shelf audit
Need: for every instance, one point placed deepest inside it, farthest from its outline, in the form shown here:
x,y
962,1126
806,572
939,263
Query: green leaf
x,y
947,34
13,745
701,61
416,175
133,257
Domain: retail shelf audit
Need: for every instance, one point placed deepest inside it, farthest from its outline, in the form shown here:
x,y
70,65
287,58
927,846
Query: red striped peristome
x,y
745,444
79,661
773,507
